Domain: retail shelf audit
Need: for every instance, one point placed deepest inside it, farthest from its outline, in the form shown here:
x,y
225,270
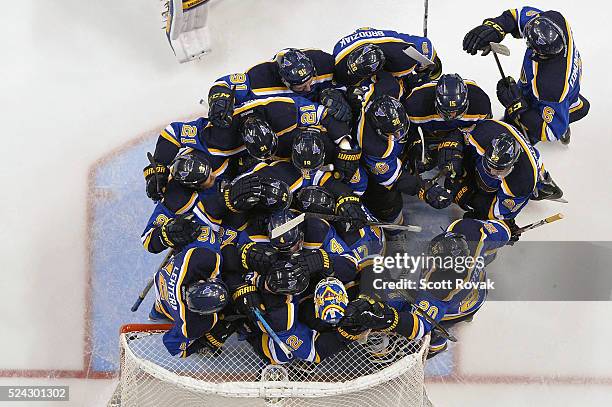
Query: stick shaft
x,y
542,222
147,288
499,66
272,334
425,17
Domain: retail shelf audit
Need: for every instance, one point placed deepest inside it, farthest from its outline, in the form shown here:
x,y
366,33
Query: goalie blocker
x,y
186,28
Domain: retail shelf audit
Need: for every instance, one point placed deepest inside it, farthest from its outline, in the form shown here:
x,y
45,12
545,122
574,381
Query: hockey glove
x,y
156,178
515,234
179,231
450,154
247,298
462,192
314,262
258,257
242,194
415,163
435,195
510,96
346,163
480,37
337,105
350,207
366,313
213,340
220,106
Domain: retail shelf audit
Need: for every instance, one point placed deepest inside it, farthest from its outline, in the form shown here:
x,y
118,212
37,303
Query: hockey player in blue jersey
x,y
292,72
503,171
471,244
279,116
547,97
437,109
367,51
190,293
382,130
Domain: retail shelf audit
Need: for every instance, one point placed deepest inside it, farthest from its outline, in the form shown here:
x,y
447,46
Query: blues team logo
x,y
330,300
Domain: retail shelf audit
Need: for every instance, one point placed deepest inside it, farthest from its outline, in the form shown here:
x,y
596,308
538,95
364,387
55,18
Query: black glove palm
x,y
314,262
220,106
336,104
450,154
366,313
156,178
179,231
258,257
510,97
350,207
247,298
242,194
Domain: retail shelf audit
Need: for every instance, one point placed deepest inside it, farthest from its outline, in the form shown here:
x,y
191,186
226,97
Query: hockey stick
x,y
425,16
436,326
273,334
417,56
539,223
501,50
287,226
147,288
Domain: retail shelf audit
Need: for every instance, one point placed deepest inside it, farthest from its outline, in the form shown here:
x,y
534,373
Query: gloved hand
x,y
450,154
461,191
415,163
156,178
313,262
435,195
510,97
515,233
246,299
243,193
367,313
213,340
220,106
479,37
350,207
180,231
258,257
346,163
336,104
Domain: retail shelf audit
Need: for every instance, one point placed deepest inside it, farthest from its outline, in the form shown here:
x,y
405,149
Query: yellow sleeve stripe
x,y
402,73
296,184
468,276
147,239
203,209
222,168
164,133
261,102
188,205
578,107
390,145
514,13
452,225
265,341
534,84
217,268
477,146
323,78
270,89
289,303
287,130
492,208
367,97
181,304
324,178
216,151
415,326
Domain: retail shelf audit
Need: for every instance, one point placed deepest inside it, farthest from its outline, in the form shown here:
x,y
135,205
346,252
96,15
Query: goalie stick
x,y
287,226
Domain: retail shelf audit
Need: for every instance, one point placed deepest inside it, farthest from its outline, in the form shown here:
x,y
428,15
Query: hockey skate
x,y
565,138
547,189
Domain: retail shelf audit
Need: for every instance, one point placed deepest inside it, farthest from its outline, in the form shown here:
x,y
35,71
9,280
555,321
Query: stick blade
x,y
417,56
499,49
284,228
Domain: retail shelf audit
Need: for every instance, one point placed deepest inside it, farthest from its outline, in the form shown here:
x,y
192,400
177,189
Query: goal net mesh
x,y
386,370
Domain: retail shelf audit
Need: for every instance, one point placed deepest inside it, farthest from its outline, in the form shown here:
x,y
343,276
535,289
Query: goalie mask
x,y
191,170
330,300
206,297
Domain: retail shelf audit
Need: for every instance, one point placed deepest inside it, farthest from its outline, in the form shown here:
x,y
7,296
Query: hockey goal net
x,y
383,371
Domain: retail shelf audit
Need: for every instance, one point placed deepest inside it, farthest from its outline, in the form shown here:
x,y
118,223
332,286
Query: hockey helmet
x,y
259,139
308,152
295,68
275,194
316,199
207,297
501,155
290,241
286,278
451,97
388,117
365,61
545,38
191,169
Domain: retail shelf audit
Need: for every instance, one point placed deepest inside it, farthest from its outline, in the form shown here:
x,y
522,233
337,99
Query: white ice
x,y
80,78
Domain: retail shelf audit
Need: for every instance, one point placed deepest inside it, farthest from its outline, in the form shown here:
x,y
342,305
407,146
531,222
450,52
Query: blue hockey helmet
x,y
545,38
207,297
295,68
451,97
365,60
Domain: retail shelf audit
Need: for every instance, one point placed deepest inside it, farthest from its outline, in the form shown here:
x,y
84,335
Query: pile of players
x,y
341,138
